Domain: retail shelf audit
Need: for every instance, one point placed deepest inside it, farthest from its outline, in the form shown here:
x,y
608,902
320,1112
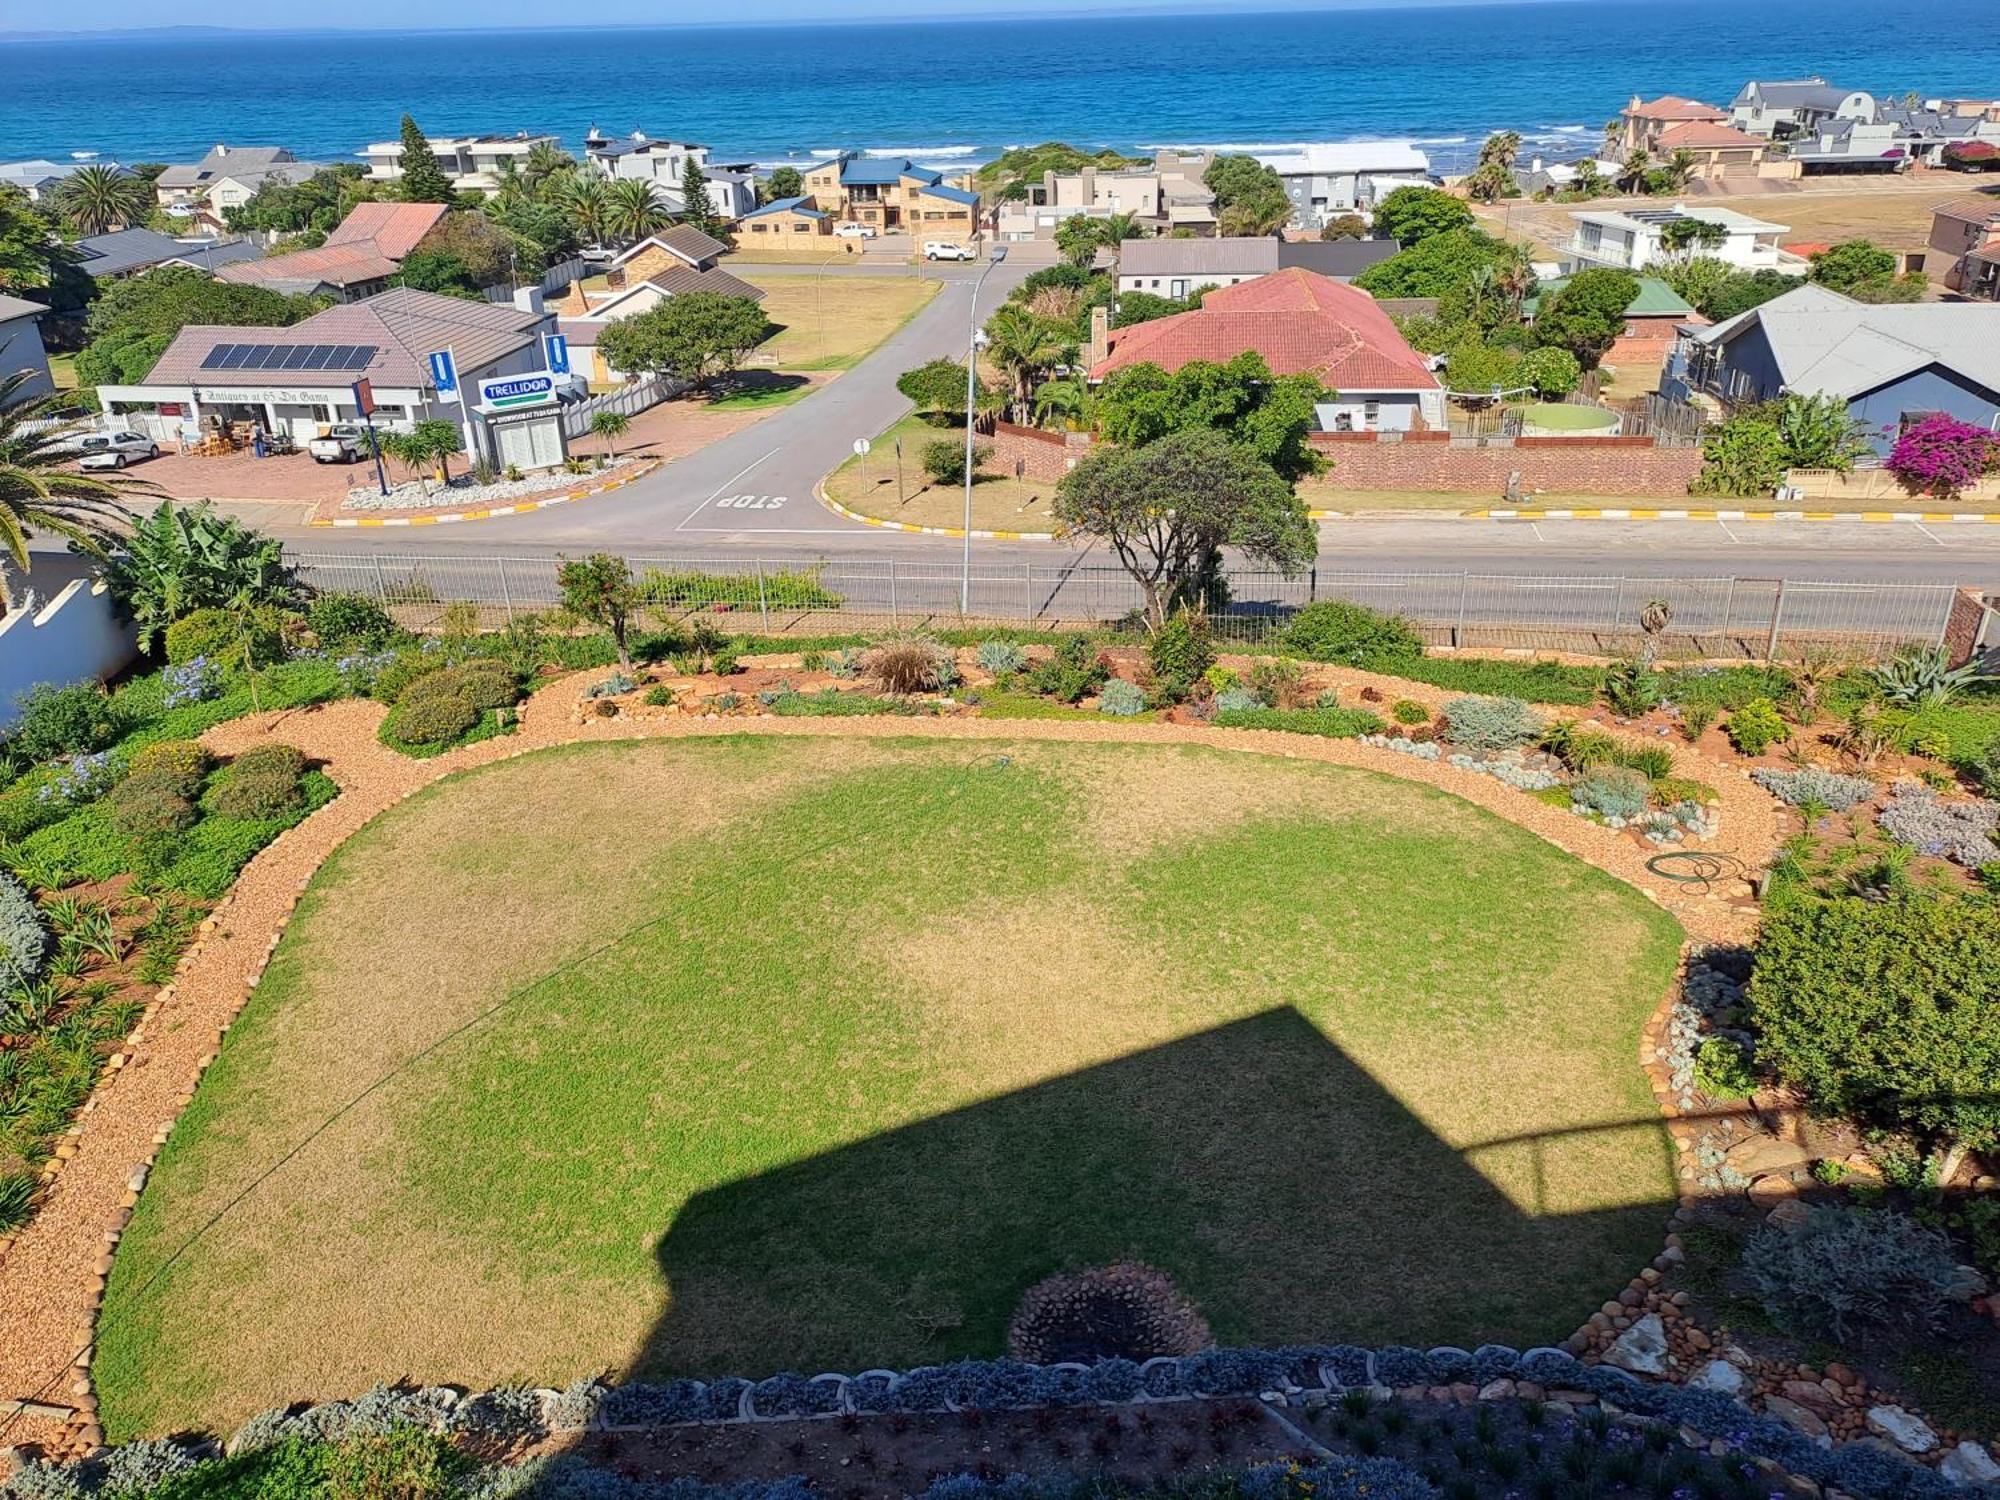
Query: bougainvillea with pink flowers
x,y
1942,455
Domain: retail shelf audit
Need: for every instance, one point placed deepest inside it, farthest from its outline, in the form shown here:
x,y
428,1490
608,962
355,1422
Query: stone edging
x,y
487,512
820,494
547,733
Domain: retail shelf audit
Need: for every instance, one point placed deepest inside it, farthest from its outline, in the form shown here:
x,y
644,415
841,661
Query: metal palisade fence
x,y
1747,618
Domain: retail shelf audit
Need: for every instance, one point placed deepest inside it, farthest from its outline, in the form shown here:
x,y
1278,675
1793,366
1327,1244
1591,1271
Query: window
x,y
756,228
801,227
1371,415
1178,289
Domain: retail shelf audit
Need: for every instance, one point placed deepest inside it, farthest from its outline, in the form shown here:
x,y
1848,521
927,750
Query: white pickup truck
x,y
342,443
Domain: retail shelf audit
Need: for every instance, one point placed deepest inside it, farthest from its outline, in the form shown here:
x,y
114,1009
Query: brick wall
x,y
1611,467
1961,630
1041,455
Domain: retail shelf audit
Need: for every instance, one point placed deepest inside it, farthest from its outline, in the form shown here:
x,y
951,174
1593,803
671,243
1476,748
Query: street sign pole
x,y
861,447
364,402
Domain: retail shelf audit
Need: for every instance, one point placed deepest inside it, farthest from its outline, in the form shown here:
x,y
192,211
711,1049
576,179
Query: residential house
x,y
678,247
1928,133
297,380
1643,121
1892,363
1654,319
1630,239
1166,196
1174,268
1301,323
1670,124
1326,181
21,346
894,194
1966,235
471,162
639,157
364,251
227,177
1851,147
132,252
1786,109
39,179
585,314
784,221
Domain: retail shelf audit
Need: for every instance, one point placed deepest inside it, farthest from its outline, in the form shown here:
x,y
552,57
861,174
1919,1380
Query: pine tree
x,y
423,180
697,212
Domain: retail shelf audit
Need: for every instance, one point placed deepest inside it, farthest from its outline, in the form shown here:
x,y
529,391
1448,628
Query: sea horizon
x,y
957,92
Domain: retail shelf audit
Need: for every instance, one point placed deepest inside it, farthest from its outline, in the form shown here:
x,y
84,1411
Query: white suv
x,y
947,250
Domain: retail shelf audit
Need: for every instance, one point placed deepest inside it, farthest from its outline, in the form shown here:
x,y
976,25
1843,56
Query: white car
x,y
114,450
854,231
947,250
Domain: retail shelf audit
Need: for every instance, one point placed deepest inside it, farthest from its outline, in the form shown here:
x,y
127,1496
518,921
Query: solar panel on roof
x,y
293,357
258,356
215,356
359,357
321,357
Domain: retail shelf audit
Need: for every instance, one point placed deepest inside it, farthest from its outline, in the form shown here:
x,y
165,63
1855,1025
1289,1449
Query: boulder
x,y
1773,1190
1811,1395
1762,1155
1969,1463
1795,1415
1788,1213
1719,1375
1905,1429
1642,1348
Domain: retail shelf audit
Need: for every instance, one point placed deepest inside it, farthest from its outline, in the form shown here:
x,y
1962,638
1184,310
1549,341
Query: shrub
x,y
1121,698
222,635
143,805
658,696
1334,630
1695,719
998,658
486,683
1632,690
432,720
1579,746
24,937
53,721
402,669
195,680
1122,1311
1332,723
1181,650
1651,761
1755,727
944,460
1236,700
1491,723
1409,711
1673,791
725,664
269,760
1828,789
1942,455
344,623
910,664
180,764
1722,1070
1280,683
1845,1272
1887,1012
1613,791
1072,674
260,783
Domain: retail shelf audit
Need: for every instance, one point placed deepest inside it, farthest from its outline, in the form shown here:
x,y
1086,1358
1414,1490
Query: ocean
x,y
953,93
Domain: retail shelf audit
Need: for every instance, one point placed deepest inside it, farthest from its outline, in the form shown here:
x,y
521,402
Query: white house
x,y
39,178
21,346
1782,109
1630,239
639,157
1326,181
472,162
227,177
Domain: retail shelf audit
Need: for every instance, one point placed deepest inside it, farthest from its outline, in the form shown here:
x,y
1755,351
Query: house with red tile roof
x,y
359,257
1301,323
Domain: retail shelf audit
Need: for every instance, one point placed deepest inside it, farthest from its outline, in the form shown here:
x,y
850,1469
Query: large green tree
x,y
99,198
1410,215
28,245
1271,415
181,558
1437,264
697,211
1077,239
1168,510
1250,198
132,321
1025,346
1850,264
423,180
631,212
696,335
784,182
937,387
1587,315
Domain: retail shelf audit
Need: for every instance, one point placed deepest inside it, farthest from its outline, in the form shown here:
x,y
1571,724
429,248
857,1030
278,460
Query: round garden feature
x,y
1564,419
752,1054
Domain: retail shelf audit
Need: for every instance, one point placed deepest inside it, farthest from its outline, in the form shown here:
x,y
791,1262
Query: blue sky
x,y
281,14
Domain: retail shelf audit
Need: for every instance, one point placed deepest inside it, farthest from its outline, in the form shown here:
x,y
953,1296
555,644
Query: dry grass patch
x,y
830,322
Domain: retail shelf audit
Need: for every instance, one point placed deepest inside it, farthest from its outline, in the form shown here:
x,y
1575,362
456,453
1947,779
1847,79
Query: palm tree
x,y
98,198
1589,180
1025,348
587,203
631,212
611,425
510,186
1680,168
1069,398
41,490
1632,176
1119,228
545,161
1503,148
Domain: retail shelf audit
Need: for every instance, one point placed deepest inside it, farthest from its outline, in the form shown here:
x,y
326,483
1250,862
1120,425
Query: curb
x,y
522,508
1649,514
820,494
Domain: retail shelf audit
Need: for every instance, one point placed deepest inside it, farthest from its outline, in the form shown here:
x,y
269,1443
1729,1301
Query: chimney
x,y
528,299
1100,336
1535,164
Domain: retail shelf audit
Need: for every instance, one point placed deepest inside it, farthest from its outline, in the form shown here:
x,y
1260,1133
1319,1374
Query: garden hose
x,y
1697,867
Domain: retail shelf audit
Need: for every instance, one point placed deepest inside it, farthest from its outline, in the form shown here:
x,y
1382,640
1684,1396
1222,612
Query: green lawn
x,y
813,1054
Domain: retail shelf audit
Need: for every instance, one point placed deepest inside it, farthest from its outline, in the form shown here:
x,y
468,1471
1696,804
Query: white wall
x,y
76,637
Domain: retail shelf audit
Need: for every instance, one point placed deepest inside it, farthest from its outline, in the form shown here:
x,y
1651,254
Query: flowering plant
x,y
1942,455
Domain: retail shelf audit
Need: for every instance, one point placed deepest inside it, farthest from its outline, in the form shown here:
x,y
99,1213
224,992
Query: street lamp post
x,y
971,395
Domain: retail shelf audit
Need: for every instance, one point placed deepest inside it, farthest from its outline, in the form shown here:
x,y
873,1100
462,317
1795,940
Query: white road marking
x,y
1730,534
725,485
1928,532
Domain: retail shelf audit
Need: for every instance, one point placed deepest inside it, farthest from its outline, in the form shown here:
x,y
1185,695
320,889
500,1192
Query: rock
x,y
1642,1348
1842,1374
1795,1415
1969,1463
1789,1212
1464,1392
1697,1337
1761,1155
1496,1390
1771,1190
1909,1432
1810,1394
1719,1375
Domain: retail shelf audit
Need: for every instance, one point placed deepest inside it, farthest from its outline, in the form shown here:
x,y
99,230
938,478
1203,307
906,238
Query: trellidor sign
x,y
512,392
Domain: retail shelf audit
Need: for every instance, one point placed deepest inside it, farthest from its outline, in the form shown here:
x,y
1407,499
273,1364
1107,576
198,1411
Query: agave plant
x,y
1917,679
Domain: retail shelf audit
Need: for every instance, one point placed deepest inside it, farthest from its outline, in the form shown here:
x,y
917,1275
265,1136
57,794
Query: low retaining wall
x,y
1880,484
1625,466
1036,454
76,637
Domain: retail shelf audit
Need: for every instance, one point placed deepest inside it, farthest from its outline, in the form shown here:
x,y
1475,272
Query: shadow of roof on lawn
x,y
1289,1194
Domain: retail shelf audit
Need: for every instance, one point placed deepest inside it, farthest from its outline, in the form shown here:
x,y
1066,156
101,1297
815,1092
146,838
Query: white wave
x,y
825,155
897,153
85,155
